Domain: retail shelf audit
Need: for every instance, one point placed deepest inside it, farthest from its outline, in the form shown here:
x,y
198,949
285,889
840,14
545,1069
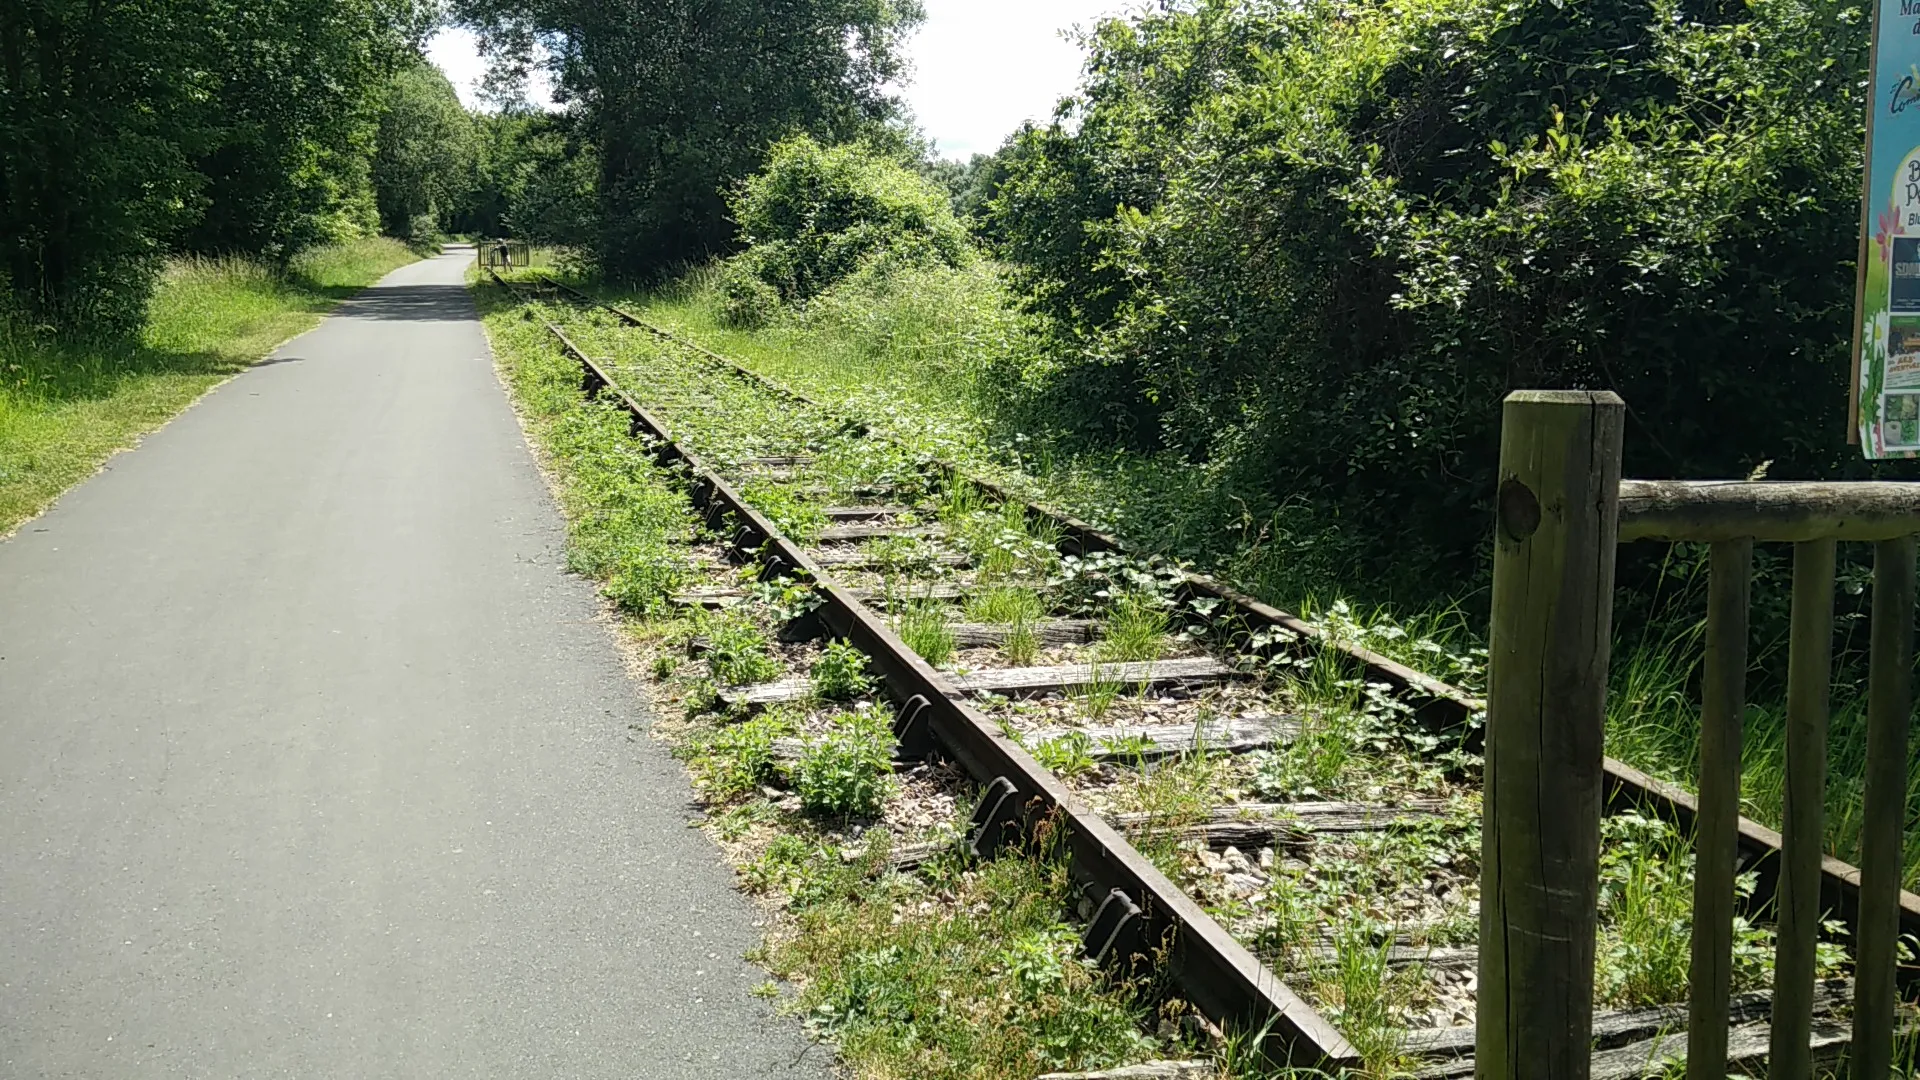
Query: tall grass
x,y
67,402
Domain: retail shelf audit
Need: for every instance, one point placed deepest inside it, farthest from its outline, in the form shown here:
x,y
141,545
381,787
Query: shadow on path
x,y
410,303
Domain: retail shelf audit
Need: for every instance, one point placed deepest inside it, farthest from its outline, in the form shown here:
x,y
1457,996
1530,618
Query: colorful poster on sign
x,y
1889,349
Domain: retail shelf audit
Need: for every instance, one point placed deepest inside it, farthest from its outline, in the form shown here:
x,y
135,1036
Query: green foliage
x,y
1646,909
1004,604
625,513
1135,629
984,983
1069,755
220,127
292,122
532,176
682,100
738,759
1310,246
847,772
841,673
737,651
1022,644
96,177
816,213
923,627
424,154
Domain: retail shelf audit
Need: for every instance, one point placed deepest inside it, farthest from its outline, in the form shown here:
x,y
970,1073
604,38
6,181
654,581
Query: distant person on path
x,y
503,256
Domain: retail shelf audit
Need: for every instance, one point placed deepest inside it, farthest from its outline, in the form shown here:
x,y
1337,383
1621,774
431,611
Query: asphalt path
x,y
314,762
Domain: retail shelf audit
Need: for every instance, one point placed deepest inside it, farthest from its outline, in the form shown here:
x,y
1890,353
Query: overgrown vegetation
x,y
1253,300
989,984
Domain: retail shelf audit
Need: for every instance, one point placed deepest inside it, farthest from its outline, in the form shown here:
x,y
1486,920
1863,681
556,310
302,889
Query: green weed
x,y
841,673
1135,629
923,627
999,604
737,760
1096,697
847,772
1068,756
738,653
984,982
1021,645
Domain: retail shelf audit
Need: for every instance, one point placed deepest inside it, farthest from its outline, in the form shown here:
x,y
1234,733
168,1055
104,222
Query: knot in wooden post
x,y
1546,705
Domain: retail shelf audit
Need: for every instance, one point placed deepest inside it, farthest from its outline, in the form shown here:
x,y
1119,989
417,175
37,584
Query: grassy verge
x,y
67,404
957,972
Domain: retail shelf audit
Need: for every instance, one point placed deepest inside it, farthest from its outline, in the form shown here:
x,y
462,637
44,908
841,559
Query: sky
x,y
980,67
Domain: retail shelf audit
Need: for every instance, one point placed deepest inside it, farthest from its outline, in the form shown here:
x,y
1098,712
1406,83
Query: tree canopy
x,y
683,98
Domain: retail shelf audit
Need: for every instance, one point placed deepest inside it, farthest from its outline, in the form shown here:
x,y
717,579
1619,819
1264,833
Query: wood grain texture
x,y
1552,610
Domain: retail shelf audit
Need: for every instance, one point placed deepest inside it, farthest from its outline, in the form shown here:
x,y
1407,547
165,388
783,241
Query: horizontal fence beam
x,y
1782,511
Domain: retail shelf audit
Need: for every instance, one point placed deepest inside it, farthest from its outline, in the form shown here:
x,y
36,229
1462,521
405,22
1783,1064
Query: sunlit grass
x,y
67,403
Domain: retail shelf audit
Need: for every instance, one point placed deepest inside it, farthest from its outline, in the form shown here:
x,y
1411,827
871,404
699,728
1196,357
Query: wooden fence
x,y
499,254
1562,509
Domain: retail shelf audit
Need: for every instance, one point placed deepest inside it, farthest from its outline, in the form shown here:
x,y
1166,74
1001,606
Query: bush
x,y
815,214
1308,248
849,771
746,301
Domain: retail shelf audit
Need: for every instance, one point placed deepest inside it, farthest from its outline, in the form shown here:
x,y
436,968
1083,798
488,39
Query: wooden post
x,y
1723,695
1803,830
1889,706
1553,560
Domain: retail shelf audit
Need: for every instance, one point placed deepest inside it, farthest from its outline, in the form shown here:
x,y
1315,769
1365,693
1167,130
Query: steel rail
x,y
1140,913
1647,506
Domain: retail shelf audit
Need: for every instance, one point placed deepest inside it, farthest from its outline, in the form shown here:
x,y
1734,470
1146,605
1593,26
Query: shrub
x,y
816,213
1309,247
847,772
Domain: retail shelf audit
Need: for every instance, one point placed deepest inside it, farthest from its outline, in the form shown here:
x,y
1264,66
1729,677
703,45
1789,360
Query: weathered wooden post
x,y
1554,540
1723,693
1804,812
1889,709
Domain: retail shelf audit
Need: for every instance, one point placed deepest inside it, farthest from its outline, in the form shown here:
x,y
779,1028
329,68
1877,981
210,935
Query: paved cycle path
x,y
315,763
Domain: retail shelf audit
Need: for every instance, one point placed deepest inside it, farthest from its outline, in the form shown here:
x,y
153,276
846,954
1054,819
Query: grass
x,y
68,403
985,983
1004,604
1135,629
923,627
1647,876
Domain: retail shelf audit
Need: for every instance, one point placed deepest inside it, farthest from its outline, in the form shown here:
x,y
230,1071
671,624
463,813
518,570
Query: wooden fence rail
x,y
1562,509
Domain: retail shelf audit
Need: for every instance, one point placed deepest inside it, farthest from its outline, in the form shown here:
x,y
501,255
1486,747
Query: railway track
x,y
1284,821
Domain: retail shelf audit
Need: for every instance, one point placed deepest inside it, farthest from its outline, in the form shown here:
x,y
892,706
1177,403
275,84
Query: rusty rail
x,y
1645,512
1140,912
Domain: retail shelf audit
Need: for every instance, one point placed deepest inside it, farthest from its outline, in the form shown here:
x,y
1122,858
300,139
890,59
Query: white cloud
x,y
981,67
456,52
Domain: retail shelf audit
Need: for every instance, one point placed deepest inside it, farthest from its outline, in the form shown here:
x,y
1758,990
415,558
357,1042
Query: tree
x,y
294,118
424,153
94,168
683,97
